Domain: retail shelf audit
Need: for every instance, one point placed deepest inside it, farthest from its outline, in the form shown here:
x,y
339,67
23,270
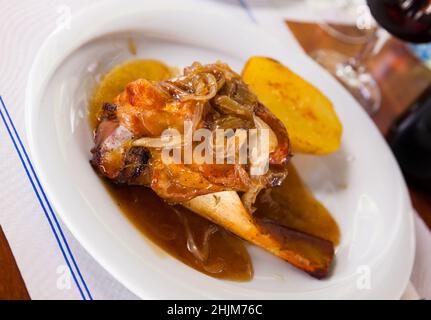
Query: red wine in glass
x,y
410,135
409,20
410,140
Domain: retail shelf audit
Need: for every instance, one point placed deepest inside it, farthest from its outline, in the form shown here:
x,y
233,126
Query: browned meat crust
x,y
212,97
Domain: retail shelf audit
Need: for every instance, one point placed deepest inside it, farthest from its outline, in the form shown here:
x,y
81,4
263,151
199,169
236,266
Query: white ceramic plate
x,y
361,184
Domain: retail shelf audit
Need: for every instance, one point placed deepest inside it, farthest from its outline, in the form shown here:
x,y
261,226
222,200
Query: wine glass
x,y
350,71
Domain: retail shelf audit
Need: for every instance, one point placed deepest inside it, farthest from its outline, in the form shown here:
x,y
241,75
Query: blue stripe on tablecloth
x,y
49,214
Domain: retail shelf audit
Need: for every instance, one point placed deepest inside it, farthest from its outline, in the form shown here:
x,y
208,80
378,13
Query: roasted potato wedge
x,y
309,116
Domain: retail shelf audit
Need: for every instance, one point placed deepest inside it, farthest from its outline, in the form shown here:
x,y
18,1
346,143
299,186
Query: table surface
x,y
393,67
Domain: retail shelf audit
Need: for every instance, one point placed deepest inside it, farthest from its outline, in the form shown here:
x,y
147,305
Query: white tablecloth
x,y
24,24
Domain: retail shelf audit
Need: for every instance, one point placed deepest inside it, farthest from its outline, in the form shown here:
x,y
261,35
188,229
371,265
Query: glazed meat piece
x,y
129,148
147,111
128,139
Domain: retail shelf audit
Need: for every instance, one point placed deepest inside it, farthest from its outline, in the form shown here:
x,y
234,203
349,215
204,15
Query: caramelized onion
x,y
200,87
199,251
205,85
233,122
158,143
229,106
197,114
273,141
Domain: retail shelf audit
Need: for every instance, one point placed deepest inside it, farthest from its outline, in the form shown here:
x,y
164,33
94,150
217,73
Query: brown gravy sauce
x,y
188,237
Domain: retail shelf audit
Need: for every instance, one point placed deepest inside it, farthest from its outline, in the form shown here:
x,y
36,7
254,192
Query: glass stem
x,y
366,52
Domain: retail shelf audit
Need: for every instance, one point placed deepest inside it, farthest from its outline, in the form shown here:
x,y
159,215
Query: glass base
x,y
358,81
